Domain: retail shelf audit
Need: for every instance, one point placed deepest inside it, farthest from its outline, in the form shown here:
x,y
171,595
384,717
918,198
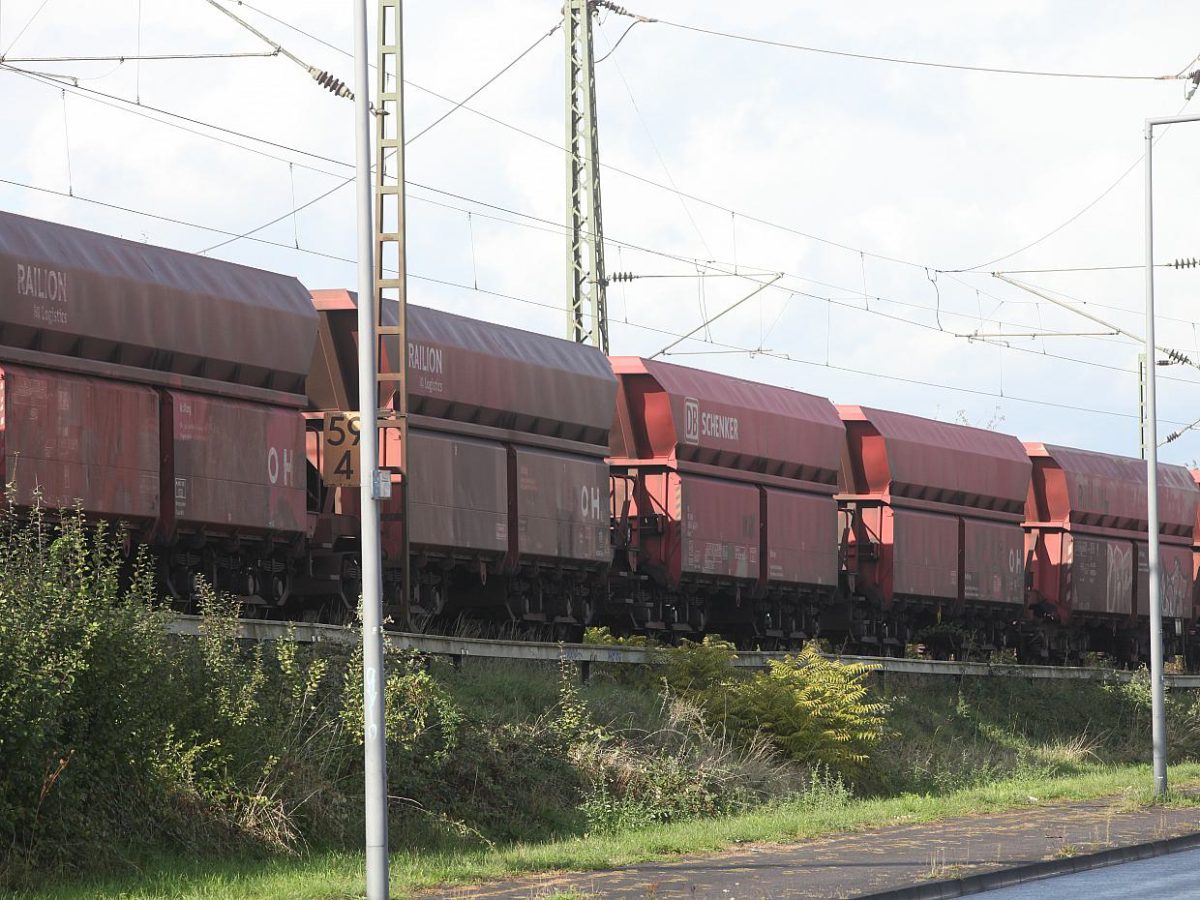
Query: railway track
x,y
584,655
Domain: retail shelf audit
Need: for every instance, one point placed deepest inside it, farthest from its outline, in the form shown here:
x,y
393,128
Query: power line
x,y
407,141
608,166
753,352
25,28
1111,306
558,227
666,333
139,57
331,83
1138,266
995,70
653,143
233,236
142,109
1053,231
475,93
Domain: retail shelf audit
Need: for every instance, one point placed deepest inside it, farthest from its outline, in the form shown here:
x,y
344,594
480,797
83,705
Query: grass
x,y
339,875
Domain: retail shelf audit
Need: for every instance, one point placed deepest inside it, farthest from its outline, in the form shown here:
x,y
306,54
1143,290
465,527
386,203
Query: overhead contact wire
x,y
904,61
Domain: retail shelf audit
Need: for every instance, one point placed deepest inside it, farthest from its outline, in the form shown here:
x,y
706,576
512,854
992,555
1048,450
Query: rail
x,y
584,655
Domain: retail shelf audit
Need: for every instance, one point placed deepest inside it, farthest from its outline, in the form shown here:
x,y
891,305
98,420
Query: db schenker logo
x,y
691,421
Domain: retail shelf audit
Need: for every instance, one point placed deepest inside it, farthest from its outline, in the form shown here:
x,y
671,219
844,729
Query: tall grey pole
x,y
372,566
1150,430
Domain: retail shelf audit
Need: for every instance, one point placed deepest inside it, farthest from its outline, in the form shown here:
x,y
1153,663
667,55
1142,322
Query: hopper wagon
x,y
1086,545
723,504
159,391
931,533
508,498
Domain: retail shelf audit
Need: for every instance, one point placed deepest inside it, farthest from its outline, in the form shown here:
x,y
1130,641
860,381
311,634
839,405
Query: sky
x,y
884,194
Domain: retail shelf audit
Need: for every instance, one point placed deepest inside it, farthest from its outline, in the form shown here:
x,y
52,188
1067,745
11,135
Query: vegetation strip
x,y
330,875
142,763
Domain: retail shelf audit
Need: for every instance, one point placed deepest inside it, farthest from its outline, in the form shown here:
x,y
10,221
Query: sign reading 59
x,y
341,450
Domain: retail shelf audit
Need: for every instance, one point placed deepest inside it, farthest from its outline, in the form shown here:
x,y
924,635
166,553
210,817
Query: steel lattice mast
x,y
587,306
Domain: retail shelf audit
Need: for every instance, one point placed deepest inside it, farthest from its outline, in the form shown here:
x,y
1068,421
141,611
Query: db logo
x,y
691,421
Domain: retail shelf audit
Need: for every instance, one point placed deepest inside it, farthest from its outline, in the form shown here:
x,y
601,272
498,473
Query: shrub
x,y
700,669
815,709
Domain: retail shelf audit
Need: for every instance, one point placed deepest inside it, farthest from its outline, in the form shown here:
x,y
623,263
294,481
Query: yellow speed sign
x,y
342,447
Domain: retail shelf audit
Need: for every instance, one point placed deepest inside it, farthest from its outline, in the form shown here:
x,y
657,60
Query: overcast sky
x,y
847,160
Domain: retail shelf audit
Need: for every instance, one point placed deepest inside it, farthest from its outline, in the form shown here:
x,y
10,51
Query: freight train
x,y
195,402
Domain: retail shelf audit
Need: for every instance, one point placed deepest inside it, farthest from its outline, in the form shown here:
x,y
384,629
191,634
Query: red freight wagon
x,y
931,523
508,486
1086,539
67,440
722,503
1195,616
161,390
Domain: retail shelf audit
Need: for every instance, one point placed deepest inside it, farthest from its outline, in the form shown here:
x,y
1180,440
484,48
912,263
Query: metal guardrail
x,y
586,654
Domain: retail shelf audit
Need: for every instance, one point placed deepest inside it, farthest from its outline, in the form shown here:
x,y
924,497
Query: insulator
x,y
1187,263
334,85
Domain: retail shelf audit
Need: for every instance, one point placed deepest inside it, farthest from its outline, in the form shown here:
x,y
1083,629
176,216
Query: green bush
x,y
699,669
817,710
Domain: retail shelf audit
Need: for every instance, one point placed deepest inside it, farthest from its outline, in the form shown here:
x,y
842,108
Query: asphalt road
x,y
902,856
1176,877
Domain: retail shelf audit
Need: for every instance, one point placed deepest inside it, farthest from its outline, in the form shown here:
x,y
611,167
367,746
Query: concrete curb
x,y
1001,878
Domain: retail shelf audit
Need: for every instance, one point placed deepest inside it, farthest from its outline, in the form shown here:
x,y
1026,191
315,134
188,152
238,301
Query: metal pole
x,y
587,284
1142,405
1150,430
374,745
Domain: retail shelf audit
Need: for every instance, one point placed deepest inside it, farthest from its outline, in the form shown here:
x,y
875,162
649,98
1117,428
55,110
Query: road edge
x,y
1023,874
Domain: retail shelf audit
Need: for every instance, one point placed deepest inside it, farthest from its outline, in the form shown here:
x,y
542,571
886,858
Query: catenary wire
x,y
234,236
472,200
139,57
604,165
995,70
664,332
25,27
1108,190
711,204
407,141
479,90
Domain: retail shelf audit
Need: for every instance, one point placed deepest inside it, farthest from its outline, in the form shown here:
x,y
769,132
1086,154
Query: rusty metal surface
x,y
801,548
1196,556
993,562
718,528
233,465
476,372
1073,487
924,553
897,455
670,412
1175,580
1087,525
80,440
562,507
75,293
458,499
1097,574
